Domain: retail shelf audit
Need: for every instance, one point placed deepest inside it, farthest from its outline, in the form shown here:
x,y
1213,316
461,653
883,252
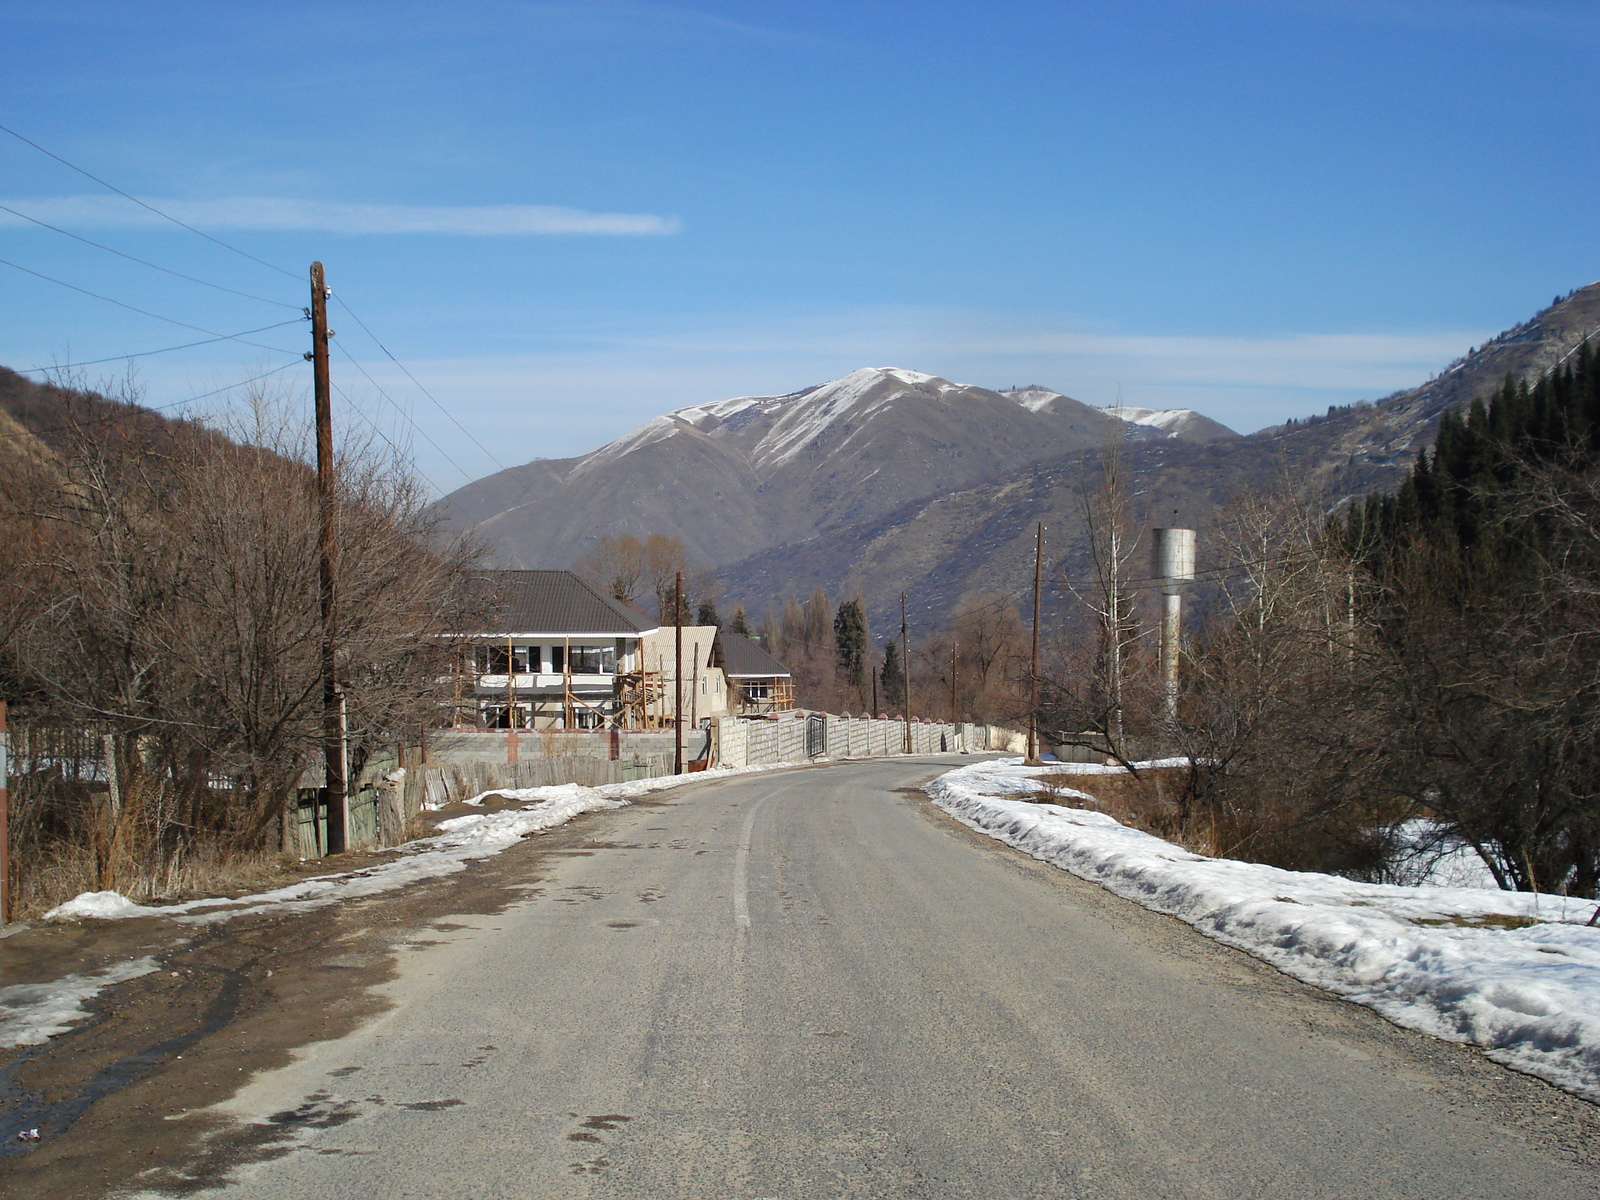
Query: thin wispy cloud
x,y
325,216
1509,16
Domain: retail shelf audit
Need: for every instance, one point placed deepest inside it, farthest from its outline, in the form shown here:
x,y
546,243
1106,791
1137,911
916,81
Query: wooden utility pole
x,y
1033,670
332,705
677,675
905,667
511,701
5,833
955,653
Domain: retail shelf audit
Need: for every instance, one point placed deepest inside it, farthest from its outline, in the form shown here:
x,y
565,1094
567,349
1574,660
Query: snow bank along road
x,y
1516,972
816,984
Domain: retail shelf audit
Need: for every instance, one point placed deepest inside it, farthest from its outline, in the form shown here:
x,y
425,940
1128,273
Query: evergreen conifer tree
x,y
892,677
850,642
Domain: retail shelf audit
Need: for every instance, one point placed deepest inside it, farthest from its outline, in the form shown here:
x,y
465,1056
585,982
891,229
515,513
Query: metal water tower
x,y
1173,572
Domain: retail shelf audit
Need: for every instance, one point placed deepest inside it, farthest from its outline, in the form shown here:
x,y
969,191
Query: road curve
x,y
814,984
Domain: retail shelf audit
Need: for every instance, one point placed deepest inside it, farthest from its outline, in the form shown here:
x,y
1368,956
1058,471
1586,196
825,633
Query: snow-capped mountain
x,y
1182,423
733,477
889,479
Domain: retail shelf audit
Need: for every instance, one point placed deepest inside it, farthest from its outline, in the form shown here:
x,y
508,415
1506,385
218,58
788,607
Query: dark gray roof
x,y
556,602
743,659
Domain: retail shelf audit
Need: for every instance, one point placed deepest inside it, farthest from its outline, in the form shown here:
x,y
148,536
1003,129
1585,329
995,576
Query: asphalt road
x,y
812,984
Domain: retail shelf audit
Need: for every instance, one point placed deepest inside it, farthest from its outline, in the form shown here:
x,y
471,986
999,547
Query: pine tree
x,y
850,642
892,677
706,614
737,623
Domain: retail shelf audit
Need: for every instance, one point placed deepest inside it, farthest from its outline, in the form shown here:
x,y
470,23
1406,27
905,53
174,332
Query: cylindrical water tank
x,y
1172,559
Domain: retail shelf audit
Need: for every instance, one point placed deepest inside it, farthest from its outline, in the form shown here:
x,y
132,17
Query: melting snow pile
x,y
31,1013
1514,972
461,840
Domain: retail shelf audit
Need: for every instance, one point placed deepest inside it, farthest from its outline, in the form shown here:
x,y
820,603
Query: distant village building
x,y
760,683
561,654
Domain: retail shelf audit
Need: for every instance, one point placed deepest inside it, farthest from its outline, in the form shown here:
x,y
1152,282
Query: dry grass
x,y
67,870
1147,801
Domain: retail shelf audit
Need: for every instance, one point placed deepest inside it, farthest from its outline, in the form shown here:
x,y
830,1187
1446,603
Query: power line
x,y
140,409
487,453
226,337
373,425
142,311
152,208
142,262
405,416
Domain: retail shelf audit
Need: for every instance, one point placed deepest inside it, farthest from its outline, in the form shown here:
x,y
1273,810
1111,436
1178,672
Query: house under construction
x,y
561,654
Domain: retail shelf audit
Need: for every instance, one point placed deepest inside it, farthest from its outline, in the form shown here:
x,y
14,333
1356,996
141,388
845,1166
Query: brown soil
x,y
230,1000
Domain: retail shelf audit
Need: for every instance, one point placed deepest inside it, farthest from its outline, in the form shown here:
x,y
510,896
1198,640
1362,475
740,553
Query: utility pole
x,y
1033,670
677,675
511,701
905,666
332,702
955,655
5,833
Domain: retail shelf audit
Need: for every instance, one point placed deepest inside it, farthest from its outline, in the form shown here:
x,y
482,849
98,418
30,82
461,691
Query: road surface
x,y
814,984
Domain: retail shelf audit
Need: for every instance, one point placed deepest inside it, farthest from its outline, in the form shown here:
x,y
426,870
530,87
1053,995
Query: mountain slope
x,y
889,479
735,477
981,537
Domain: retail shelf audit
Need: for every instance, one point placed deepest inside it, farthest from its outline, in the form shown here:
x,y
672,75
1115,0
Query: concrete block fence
x,y
457,764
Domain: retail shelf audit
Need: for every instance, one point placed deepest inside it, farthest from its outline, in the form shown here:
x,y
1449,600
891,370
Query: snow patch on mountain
x,y
1033,397
1168,420
856,395
798,418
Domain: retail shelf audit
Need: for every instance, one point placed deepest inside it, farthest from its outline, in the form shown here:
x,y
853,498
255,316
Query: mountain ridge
x,y
980,538
852,448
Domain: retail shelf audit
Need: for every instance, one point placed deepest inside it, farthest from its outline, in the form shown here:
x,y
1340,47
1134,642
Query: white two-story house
x,y
561,654
552,657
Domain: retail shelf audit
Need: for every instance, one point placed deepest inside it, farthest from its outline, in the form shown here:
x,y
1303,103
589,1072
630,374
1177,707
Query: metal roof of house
x,y
557,603
743,659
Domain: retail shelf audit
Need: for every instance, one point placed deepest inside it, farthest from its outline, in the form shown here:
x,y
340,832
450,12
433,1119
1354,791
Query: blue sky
x,y
565,218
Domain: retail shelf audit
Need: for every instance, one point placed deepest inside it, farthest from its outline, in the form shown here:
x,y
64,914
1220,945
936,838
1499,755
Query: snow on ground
x,y
1514,972
460,840
31,1013
1428,854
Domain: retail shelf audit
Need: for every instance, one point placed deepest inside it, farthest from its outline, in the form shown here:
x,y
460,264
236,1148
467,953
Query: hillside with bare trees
x,y
159,593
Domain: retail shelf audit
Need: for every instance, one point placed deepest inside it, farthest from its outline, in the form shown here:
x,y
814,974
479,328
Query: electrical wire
x,y
142,311
262,262
141,409
487,452
150,207
388,441
405,416
94,362
143,262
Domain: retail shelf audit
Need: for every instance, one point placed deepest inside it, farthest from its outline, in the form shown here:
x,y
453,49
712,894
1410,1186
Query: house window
x,y
492,660
758,689
594,660
496,716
